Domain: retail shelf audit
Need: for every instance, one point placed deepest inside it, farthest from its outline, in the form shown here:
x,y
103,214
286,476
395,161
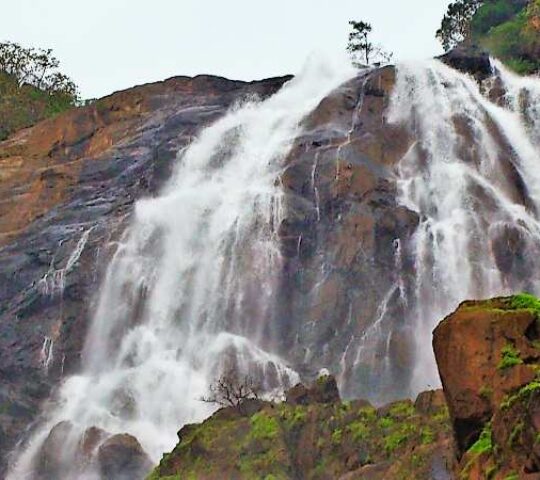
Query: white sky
x,y
108,45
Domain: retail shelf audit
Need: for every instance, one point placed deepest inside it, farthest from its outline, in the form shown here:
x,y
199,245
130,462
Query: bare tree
x,y
230,390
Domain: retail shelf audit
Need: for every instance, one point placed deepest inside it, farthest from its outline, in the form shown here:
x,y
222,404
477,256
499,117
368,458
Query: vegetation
x,y
509,357
321,437
232,391
362,50
508,29
484,443
456,24
31,87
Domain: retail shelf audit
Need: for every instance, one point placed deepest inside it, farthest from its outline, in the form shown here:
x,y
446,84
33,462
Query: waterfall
x,y
472,174
190,289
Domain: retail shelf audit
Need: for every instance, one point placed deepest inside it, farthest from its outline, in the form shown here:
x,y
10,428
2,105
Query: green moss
x,y
386,422
427,436
337,436
402,409
523,394
369,414
516,433
394,440
264,427
359,431
510,357
486,392
512,476
525,301
483,444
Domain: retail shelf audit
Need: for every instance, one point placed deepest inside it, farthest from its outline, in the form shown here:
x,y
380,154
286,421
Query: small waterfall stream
x,y
189,292
191,289
473,176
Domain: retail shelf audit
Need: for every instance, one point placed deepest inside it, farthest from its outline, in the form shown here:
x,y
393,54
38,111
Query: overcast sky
x,y
108,45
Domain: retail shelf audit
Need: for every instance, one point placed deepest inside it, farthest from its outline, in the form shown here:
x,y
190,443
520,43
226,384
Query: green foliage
x,y
509,357
525,301
386,422
337,436
486,392
427,436
402,409
264,427
31,88
493,13
483,444
358,430
516,433
456,24
398,437
509,30
512,476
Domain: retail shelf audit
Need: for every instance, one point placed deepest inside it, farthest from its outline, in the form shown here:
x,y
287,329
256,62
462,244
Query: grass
x,y
24,106
483,444
510,357
264,427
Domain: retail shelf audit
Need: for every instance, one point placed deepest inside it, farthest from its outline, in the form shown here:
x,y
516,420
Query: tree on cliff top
x,y
362,50
456,24
31,87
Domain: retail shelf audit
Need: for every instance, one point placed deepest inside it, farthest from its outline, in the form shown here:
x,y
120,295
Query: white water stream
x,y
458,177
189,290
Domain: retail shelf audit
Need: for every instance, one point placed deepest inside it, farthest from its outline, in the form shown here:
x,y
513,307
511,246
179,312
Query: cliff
x,y
67,190
488,354
316,437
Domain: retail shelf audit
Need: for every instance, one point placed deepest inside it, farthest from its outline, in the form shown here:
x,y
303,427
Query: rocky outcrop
x,y
319,440
340,237
67,188
488,353
121,457
469,59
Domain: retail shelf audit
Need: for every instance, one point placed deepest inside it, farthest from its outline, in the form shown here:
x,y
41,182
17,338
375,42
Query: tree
x,y
230,390
38,68
456,24
362,50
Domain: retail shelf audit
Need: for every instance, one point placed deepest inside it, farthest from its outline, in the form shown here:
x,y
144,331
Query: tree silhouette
x,y
456,24
362,50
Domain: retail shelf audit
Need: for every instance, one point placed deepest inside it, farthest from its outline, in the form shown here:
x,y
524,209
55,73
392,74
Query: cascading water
x,y
190,289
472,174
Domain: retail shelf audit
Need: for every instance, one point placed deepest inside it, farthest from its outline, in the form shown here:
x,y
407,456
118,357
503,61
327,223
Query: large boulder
x,y
488,353
121,457
323,390
469,59
484,350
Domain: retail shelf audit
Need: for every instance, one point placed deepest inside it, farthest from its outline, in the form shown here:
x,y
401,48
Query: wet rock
x,y
323,390
50,461
469,59
484,351
80,173
430,401
121,457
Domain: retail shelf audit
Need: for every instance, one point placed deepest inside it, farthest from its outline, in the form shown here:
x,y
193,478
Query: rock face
x,y
340,236
328,440
469,59
121,457
67,188
488,353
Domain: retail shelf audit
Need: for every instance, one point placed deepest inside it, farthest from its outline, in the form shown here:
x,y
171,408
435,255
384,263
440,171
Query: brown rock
x,y
324,390
121,457
430,401
468,347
